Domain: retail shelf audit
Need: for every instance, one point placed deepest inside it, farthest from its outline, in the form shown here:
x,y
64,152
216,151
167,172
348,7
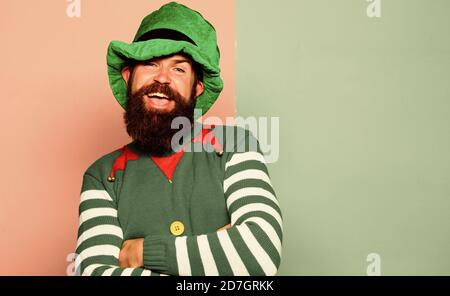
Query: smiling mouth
x,y
158,95
158,99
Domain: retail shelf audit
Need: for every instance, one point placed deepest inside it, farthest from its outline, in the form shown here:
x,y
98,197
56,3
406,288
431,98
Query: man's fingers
x,y
224,227
123,255
123,262
131,253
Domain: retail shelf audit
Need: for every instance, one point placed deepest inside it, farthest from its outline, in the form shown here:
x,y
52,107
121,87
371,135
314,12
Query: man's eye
x,y
150,64
180,70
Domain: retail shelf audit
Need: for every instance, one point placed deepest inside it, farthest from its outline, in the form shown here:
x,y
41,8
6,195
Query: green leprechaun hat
x,y
174,28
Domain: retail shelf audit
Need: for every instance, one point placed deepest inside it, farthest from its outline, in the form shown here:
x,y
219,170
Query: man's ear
x,y
126,72
199,88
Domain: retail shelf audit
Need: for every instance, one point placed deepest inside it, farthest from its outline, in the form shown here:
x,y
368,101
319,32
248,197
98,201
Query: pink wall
x,y
59,115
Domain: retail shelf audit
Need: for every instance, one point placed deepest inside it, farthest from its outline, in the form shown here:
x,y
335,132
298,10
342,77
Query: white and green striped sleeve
x,y
252,246
100,236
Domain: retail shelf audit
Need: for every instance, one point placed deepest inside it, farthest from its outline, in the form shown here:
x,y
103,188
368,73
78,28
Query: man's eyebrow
x,y
179,61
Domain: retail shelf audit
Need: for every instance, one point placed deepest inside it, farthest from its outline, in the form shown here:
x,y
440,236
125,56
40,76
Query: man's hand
x,y
132,253
224,227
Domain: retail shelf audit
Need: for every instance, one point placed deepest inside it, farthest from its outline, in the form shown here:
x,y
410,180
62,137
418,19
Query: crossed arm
x,y
131,254
250,245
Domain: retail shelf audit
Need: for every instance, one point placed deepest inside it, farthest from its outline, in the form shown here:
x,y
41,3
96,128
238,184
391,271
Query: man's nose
x,y
162,75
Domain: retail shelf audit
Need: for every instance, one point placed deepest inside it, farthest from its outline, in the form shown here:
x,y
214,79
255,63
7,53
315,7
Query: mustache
x,y
157,87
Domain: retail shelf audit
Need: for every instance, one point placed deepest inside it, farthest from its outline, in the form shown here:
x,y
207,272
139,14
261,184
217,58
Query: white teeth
x,y
157,94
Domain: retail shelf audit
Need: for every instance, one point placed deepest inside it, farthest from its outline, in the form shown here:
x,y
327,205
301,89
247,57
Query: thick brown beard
x,y
151,129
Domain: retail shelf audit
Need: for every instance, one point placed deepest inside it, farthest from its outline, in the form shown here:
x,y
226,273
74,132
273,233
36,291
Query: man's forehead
x,y
175,58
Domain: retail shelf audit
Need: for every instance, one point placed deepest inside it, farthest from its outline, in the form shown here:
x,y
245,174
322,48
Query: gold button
x,y
176,228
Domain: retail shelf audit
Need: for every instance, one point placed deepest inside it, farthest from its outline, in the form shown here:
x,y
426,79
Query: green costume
x,y
177,202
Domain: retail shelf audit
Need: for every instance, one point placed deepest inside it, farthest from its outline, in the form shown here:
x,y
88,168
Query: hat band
x,y
165,34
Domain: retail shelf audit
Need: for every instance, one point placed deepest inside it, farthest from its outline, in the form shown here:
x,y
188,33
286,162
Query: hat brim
x,y
120,52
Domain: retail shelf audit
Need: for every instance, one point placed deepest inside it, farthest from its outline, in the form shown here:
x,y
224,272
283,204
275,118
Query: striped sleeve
x,y
100,236
252,246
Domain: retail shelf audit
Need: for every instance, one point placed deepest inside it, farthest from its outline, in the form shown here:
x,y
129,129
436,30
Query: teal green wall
x,y
364,107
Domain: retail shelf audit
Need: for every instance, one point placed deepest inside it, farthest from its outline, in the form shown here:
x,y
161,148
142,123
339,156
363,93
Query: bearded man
x,y
156,208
